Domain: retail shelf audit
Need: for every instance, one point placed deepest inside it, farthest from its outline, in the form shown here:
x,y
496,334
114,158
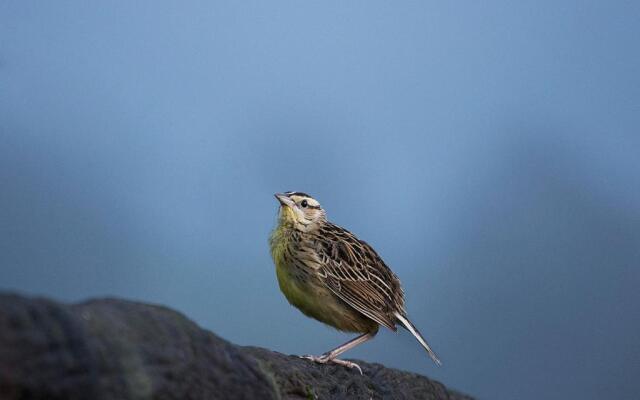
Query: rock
x,y
297,378
117,349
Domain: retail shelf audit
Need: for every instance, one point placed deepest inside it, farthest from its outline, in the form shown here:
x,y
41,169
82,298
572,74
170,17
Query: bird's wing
x,y
356,274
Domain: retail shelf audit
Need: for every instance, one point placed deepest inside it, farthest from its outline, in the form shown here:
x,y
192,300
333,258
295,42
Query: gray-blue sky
x,y
488,150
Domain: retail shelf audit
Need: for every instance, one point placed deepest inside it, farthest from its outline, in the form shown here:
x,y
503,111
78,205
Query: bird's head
x,y
300,210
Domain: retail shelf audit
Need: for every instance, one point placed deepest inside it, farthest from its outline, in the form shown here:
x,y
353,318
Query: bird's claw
x,y
317,359
348,364
324,360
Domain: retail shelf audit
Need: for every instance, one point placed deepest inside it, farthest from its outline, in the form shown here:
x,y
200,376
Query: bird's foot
x,y
324,359
348,364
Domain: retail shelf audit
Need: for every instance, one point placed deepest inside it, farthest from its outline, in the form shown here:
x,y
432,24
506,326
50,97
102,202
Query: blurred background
x,y
488,150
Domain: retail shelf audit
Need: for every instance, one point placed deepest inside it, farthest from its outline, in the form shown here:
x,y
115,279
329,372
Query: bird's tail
x,y
415,332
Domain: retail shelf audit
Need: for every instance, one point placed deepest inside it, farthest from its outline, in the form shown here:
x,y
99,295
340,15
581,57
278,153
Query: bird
x,y
334,277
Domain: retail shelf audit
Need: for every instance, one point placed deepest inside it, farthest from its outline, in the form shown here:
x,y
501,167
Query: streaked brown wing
x,y
358,276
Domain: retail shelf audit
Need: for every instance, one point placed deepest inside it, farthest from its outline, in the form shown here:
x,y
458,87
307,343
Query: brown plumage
x,y
357,275
334,277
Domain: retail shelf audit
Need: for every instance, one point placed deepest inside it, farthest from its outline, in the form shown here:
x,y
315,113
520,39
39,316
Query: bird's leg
x,y
330,356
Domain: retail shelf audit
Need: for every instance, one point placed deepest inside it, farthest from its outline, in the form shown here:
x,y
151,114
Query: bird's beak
x,y
284,199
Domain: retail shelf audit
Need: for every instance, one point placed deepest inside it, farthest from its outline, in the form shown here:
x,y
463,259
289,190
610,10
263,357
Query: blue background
x,y
488,150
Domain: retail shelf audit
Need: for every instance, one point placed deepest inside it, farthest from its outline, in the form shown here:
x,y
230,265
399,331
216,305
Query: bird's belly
x,y
307,293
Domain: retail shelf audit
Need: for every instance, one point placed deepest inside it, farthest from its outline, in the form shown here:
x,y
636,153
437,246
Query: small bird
x,y
334,277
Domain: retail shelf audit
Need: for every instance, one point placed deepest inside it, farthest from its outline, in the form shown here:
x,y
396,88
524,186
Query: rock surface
x,y
117,349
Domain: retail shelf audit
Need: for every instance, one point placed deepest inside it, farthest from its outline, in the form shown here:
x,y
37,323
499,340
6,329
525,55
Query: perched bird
x,y
334,277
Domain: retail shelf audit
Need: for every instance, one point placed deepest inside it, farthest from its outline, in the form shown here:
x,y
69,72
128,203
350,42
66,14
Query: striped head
x,y
300,211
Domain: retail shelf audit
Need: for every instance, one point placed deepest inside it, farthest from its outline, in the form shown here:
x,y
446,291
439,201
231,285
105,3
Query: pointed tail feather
x,y
414,331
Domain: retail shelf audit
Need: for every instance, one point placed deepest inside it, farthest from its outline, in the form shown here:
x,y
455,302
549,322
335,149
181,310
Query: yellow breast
x,y
305,291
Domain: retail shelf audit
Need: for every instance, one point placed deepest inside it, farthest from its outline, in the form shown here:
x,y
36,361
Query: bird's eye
x,y
304,203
